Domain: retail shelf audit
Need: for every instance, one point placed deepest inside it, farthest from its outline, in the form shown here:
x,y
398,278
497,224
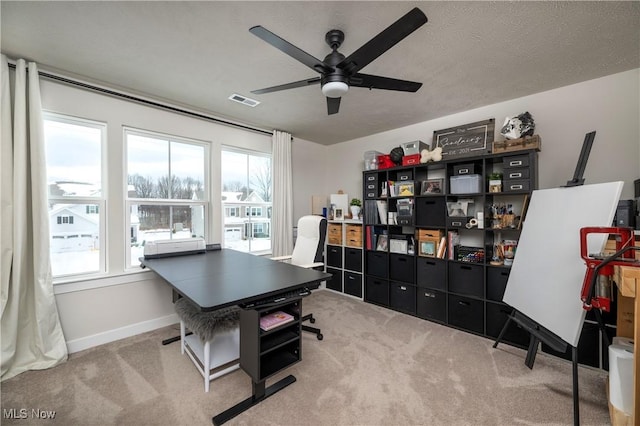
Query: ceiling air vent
x,y
243,100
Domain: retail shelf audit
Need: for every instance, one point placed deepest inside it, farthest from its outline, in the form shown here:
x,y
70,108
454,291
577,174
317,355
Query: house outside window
x,y
167,189
246,188
74,154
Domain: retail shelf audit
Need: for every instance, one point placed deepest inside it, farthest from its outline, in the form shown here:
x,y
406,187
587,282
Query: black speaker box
x,y
626,214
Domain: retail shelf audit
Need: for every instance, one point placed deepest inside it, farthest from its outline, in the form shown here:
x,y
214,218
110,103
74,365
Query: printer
x,y
176,247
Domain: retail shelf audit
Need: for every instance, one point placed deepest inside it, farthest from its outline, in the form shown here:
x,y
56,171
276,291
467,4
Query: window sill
x,y
82,284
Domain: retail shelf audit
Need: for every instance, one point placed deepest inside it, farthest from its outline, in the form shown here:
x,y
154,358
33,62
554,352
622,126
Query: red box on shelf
x,y
384,162
410,160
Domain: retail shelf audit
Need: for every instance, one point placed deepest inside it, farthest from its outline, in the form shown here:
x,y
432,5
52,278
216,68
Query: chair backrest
x,y
309,246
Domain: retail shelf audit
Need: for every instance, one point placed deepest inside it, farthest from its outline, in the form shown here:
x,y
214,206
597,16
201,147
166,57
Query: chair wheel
x,y
320,336
312,320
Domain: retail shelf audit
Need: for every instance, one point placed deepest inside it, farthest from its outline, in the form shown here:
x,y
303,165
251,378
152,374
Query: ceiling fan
x,y
338,73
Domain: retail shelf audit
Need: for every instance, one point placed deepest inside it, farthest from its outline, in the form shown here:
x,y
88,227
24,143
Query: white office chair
x,y
308,253
214,345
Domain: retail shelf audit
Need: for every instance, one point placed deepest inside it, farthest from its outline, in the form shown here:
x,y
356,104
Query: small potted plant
x,y
495,182
355,206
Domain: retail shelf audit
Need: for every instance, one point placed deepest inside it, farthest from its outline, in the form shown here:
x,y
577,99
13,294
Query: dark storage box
x,y
404,175
371,178
463,169
376,291
431,273
515,161
402,297
352,283
458,221
402,267
432,304
516,185
334,256
370,185
496,282
378,263
516,174
353,259
430,211
466,278
466,313
404,220
335,282
497,316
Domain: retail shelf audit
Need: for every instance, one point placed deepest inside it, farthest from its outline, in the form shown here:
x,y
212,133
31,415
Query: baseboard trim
x,y
83,343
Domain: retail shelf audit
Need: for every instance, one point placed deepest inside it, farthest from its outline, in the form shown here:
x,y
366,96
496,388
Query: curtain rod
x,y
155,104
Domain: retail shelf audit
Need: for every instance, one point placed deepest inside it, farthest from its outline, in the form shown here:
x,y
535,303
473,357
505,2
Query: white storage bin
x,y
465,184
371,160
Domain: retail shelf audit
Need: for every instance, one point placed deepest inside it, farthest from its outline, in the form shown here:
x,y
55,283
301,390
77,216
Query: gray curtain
x,y
282,217
32,337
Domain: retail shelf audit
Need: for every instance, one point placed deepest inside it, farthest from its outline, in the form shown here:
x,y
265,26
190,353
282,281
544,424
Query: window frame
x,y
245,211
168,202
99,201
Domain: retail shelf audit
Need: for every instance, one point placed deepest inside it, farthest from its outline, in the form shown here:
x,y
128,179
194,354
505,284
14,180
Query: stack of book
x,y
274,319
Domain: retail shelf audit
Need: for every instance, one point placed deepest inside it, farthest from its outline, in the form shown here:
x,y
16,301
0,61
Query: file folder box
x,y
465,184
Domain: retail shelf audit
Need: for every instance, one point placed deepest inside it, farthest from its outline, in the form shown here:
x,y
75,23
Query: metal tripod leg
x,y
576,399
504,329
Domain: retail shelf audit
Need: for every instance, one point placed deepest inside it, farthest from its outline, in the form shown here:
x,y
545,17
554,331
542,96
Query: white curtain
x,y
282,217
32,337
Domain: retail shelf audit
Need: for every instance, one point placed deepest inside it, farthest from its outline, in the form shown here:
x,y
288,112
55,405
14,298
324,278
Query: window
x,y
74,152
256,211
167,190
65,219
232,211
246,189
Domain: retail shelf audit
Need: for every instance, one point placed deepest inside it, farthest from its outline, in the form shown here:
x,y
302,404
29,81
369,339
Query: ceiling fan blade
x,y
333,105
383,41
291,50
295,84
377,82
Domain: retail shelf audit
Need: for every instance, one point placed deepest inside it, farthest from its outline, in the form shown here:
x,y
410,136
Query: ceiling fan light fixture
x,y
334,89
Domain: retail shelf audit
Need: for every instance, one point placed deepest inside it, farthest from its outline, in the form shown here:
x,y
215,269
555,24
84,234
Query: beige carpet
x,y
374,367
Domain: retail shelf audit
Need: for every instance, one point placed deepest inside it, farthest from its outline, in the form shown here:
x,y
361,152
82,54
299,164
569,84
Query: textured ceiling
x,y
197,54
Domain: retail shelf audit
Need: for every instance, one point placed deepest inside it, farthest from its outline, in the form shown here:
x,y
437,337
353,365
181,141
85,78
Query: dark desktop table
x,y
221,278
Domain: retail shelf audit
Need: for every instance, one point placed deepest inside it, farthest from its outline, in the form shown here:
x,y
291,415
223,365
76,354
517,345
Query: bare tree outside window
x,y
167,198
246,199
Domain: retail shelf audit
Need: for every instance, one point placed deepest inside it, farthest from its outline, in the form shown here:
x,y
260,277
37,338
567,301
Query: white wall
x,y
309,167
608,105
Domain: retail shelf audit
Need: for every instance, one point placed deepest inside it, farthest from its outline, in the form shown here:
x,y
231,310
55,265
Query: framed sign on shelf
x,y
466,140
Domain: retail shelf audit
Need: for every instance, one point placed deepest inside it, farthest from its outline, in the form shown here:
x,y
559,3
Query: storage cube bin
x,y
371,160
465,184
377,291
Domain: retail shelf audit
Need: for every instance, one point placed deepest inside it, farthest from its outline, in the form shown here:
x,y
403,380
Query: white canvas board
x,y
546,278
